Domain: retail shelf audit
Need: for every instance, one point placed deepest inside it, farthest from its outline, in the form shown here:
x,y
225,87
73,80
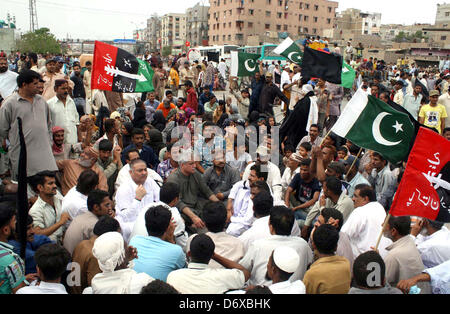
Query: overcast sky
x,y
110,19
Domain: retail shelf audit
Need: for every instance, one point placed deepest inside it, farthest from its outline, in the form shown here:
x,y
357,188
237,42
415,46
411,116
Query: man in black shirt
x,y
305,189
79,94
268,94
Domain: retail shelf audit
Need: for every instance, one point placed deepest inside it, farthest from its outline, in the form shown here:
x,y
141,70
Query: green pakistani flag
x,y
289,49
145,81
370,123
348,76
244,64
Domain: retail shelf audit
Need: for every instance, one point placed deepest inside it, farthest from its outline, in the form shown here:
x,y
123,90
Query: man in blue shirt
x,y
257,85
12,268
34,241
205,96
158,255
145,152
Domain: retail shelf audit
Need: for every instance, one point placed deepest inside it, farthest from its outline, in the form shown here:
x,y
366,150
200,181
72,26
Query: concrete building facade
x,y
173,30
234,21
7,39
354,22
443,15
154,33
197,25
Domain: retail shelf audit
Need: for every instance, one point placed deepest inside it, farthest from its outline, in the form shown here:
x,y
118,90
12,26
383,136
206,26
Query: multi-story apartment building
x,y
359,23
443,15
173,30
197,25
154,33
235,21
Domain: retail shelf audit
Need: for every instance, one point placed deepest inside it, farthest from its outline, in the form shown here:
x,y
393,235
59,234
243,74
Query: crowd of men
x,y
118,204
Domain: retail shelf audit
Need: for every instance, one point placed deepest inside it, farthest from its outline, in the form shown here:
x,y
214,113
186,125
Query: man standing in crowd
x,y
63,112
79,93
8,79
36,123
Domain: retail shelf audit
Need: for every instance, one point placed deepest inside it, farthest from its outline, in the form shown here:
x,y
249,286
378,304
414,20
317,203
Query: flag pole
x,y
329,132
381,233
354,161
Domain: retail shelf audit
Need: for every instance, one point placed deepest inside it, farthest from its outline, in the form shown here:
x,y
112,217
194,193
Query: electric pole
x,y
33,16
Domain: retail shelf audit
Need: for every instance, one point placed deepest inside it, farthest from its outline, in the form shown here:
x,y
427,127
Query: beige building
x,y
197,25
173,31
352,22
388,32
154,33
443,15
239,22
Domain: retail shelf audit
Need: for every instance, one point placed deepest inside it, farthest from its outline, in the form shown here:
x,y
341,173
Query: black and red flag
x,y
424,190
324,65
117,70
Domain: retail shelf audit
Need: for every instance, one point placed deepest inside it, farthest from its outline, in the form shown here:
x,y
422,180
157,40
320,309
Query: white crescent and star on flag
x,y
294,56
248,66
376,131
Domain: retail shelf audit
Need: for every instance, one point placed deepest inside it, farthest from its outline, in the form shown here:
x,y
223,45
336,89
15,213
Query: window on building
x,y
307,6
447,13
224,25
250,24
229,24
229,37
301,5
223,37
315,19
316,8
328,21
306,18
267,26
314,30
251,11
306,30
231,12
285,27
279,15
268,1
330,9
300,16
443,37
267,13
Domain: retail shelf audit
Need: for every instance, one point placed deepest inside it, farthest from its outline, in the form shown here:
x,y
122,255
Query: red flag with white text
x,y
424,190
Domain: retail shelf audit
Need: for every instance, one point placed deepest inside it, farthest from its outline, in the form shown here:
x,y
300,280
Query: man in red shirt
x,y
191,101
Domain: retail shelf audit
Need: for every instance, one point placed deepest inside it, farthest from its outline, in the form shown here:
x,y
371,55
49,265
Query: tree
x,y
166,51
404,37
39,41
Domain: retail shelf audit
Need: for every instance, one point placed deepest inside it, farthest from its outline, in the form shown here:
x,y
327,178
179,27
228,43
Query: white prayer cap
x,y
307,88
109,249
286,259
263,150
185,156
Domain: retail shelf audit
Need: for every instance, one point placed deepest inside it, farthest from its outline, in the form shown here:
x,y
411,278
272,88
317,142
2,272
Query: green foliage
x,y
404,37
166,51
39,41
